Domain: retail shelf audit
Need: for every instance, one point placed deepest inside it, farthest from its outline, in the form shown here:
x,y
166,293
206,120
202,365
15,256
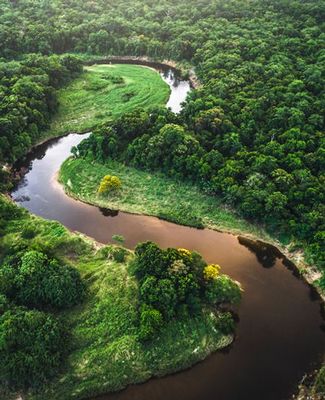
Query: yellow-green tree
x,y
109,183
211,271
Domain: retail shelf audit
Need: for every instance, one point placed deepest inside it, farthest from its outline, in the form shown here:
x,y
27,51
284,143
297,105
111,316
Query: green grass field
x,y
152,194
104,92
107,354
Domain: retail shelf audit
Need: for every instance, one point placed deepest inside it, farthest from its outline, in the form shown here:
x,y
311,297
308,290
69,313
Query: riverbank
x,y
186,72
178,202
107,354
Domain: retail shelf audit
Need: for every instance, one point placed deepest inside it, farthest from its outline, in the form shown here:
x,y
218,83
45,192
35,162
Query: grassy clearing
x,y
104,92
107,354
151,194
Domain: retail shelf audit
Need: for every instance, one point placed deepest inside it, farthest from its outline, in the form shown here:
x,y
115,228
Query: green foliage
x,y
118,238
160,294
172,150
222,289
150,260
28,89
175,281
4,304
118,253
28,233
32,346
150,323
40,282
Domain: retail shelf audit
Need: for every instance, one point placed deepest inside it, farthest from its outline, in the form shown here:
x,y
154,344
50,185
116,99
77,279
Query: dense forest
x,y
252,133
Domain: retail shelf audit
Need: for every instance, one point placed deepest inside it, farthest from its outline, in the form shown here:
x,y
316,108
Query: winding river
x,y
280,331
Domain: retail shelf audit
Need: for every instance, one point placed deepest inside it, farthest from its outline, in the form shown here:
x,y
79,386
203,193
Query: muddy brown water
x,y
280,331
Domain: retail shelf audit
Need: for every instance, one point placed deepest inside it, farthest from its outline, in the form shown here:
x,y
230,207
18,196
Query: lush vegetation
x,y
29,99
112,338
104,92
33,346
253,135
33,343
177,281
35,280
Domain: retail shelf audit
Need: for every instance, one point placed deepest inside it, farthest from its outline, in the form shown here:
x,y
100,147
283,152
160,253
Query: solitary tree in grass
x,y
108,184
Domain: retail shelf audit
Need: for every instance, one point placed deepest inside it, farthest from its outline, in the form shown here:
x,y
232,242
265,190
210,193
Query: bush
x,y
149,260
108,184
150,323
32,346
159,294
43,282
118,254
222,289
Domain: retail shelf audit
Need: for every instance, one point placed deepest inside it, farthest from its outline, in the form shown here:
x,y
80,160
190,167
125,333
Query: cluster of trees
x,y
34,342
28,99
174,281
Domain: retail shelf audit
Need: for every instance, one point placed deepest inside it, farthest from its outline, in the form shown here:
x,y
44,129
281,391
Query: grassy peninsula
x,y
106,352
151,194
103,92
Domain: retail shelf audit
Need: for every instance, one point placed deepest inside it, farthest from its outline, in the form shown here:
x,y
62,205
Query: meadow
x,y
103,92
152,194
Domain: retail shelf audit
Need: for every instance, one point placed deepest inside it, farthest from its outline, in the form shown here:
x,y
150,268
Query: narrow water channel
x,y
280,331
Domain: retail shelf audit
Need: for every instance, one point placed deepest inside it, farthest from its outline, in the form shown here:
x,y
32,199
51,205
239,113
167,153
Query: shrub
x,y
178,281
119,254
222,289
159,294
43,282
32,347
118,238
150,322
108,184
149,260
